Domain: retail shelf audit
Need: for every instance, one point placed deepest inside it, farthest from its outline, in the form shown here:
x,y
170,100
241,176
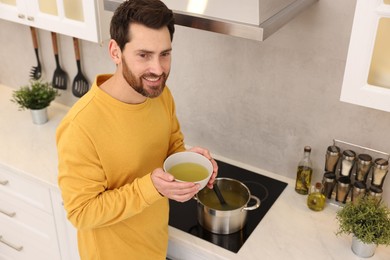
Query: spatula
x,y
59,77
36,71
80,83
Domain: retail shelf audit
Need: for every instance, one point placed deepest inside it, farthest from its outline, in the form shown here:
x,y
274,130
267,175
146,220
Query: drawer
x,y
18,241
21,213
29,191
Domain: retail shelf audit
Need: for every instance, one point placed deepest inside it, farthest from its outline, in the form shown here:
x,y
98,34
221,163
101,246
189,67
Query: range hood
x,y
254,19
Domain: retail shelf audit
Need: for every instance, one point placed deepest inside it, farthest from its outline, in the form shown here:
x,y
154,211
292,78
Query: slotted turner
x,y
59,77
36,71
80,83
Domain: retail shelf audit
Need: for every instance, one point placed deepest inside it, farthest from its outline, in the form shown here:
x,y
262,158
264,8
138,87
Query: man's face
x,y
146,60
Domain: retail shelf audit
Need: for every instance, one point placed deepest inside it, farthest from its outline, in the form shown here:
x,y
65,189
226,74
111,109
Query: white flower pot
x,y
362,249
39,116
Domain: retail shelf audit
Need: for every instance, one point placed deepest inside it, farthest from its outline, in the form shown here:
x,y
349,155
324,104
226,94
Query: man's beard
x,y
136,83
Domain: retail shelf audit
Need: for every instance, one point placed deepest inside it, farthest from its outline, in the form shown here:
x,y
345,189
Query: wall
x,y
258,103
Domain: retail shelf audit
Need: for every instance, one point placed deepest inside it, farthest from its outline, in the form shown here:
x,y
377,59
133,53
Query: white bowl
x,y
190,157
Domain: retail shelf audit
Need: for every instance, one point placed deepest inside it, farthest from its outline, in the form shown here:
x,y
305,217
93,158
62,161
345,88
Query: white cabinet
x,y
67,234
367,72
28,230
84,19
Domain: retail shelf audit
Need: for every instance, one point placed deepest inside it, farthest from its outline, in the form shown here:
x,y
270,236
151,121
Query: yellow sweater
x,y
107,150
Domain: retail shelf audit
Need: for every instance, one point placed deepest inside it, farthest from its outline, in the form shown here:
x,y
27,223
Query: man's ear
x,y
115,52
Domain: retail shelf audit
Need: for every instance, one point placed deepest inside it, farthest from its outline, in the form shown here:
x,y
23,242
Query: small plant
x,y
37,95
368,219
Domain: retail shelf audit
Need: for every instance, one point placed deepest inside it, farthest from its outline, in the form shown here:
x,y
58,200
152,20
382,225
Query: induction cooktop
x,y
183,216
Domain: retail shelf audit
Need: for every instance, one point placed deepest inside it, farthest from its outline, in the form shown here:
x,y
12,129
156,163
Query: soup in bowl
x,y
189,167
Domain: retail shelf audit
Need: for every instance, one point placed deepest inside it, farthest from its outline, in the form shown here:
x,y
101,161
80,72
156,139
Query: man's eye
x,y
165,54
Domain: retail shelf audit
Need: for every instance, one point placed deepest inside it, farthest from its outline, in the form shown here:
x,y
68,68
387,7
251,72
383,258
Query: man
x,y
114,140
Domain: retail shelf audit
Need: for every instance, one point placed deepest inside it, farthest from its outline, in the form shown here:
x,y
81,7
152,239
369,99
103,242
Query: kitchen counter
x,y
289,230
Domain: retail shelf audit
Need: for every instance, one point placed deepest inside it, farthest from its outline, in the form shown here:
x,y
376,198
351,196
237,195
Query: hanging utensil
x,y
36,71
59,77
80,83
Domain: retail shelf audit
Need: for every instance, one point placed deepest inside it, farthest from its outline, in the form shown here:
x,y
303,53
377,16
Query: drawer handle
x,y
3,182
9,214
17,248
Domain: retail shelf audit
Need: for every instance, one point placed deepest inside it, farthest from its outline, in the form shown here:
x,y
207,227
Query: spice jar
x,y
358,191
329,181
347,163
331,158
343,186
380,170
375,192
363,167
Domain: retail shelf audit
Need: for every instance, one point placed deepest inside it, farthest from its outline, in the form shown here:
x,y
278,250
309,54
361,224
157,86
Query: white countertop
x,y
289,230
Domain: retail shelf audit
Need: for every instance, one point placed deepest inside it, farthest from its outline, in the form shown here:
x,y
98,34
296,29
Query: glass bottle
x,y
331,158
304,173
328,181
363,167
316,199
347,163
381,167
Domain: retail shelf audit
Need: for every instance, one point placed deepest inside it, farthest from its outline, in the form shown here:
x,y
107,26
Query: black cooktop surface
x,y
183,216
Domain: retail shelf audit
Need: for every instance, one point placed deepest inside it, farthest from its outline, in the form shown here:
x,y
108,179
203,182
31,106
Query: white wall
x,y
258,103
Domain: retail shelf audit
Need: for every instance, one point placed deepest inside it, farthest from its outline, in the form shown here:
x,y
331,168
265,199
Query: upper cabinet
x,y
83,19
367,72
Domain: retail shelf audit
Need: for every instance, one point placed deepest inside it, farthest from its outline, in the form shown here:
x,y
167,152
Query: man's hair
x,y
151,13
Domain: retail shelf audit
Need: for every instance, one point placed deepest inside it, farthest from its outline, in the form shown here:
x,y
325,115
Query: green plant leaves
x,y
37,95
368,220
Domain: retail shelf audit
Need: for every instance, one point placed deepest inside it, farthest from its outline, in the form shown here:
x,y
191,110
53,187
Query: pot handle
x,y
254,206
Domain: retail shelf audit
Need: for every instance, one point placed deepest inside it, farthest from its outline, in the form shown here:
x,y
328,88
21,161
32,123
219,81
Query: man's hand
x,y
167,186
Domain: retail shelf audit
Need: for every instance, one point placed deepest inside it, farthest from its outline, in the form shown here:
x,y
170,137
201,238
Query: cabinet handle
x,y
9,214
21,16
3,182
17,248
30,18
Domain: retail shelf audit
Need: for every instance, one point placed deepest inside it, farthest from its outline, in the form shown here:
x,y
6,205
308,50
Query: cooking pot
x,y
227,218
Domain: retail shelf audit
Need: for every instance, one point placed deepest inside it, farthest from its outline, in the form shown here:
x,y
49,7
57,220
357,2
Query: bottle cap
x,y
307,148
329,176
349,155
364,159
333,150
381,163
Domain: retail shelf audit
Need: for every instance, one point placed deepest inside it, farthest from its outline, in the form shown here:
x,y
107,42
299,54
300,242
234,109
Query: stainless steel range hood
x,y
254,19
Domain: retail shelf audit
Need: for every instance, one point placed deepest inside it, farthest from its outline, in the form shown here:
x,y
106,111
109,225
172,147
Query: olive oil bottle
x,y
316,199
304,173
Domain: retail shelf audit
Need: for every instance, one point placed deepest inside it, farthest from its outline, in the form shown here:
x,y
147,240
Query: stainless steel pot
x,y
225,219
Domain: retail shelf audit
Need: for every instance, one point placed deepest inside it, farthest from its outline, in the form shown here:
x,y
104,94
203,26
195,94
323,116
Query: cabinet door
x,y
367,72
67,234
12,10
83,19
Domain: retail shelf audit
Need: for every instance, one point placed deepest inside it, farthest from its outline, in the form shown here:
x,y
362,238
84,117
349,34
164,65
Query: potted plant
x,y
37,97
368,219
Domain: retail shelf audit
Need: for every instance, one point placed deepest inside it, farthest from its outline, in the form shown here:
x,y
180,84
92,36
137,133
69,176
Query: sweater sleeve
x,y
177,139
88,201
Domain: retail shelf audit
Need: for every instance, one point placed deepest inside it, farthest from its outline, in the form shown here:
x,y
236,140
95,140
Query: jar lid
x,y
381,163
329,176
344,181
359,185
364,159
349,155
333,150
375,191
